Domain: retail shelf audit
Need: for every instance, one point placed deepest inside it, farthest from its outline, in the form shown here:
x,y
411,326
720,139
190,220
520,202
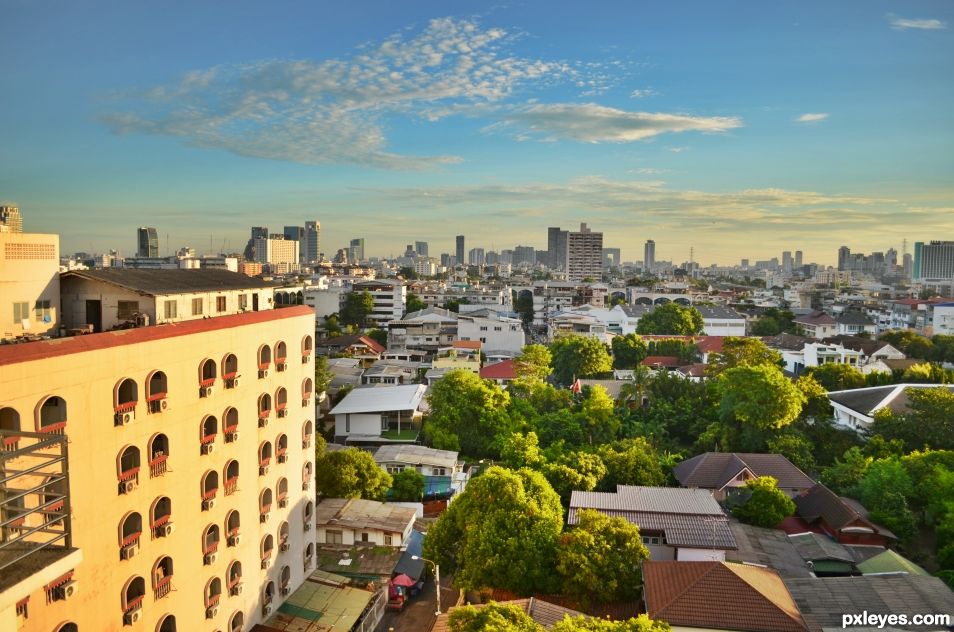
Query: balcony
x,y
163,587
157,466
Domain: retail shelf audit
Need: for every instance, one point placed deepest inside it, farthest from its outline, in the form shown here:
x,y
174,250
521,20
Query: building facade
x,y
29,284
312,248
11,221
584,255
147,240
934,260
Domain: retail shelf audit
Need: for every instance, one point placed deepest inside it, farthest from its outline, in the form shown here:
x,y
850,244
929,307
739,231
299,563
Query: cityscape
x,y
627,317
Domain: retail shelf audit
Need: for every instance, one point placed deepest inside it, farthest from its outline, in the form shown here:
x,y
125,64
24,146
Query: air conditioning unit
x,y
133,616
67,589
305,359
266,610
265,516
166,530
235,382
205,391
212,612
282,412
283,502
280,366
305,402
128,552
236,590
305,443
283,547
262,422
304,486
263,470
282,458
265,564
210,558
307,526
286,591
262,373
208,504
124,418
234,540
232,436
158,405
208,448
127,487
163,404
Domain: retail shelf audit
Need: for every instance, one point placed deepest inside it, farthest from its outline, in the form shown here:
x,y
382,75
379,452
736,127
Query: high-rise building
x,y
611,258
312,246
356,249
934,260
524,254
421,248
556,248
10,219
258,232
279,254
798,258
148,242
844,255
584,254
475,257
460,250
787,261
649,256
447,260
296,233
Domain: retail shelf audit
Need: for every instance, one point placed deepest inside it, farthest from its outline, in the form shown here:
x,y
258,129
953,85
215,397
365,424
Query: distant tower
x,y
311,250
356,249
11,219
649,256
844,254
460,251
420,247
798,258
148,240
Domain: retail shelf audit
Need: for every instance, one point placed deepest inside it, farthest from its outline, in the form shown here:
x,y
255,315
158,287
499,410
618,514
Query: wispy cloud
x,y
812,117
642,93
930,24
592,123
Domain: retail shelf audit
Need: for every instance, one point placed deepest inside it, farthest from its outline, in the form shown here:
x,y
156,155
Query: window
x,y
498,328
21,312
197,307
395,469
439,471
333,537
365,537
483,329
42,311
220,303
243,301
388,539
170,309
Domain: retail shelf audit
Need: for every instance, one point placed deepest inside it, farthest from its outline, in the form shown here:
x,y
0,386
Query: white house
x,y
856,408
379,414
427,329
716,321
943,320
350,521
499,334
390,298
817,325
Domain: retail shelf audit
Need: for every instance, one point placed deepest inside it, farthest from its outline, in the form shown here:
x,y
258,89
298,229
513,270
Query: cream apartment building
x,y
191,495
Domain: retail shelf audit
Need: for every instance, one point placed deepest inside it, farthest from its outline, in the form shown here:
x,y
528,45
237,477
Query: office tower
x,y
934,260
258,232
475,256
10,219
506,256
279,254
649,256
787,261
460,250
844,255
356,250
447,260
556,248
907,265
148,240
524,254
492,258
891,257
798,258
584,254
421,248
312,246
744,263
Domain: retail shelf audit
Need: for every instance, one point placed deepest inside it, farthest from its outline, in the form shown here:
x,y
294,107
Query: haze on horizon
x,y
739,130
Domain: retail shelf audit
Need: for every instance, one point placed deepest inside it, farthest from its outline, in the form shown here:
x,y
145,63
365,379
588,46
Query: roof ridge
x,y
753,588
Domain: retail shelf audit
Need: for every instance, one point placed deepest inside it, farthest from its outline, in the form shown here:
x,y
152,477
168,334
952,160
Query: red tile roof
x,y
40,350
499,371
667,361
467,344
706,344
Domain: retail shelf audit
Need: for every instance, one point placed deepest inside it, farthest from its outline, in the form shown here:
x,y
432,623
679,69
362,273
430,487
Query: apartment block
x,y
29,284
584,254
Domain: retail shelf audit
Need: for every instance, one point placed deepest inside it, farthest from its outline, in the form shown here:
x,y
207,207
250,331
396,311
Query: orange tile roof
x,y
499,371
467,344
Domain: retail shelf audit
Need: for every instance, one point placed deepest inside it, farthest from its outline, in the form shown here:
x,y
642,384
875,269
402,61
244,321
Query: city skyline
x,y
419,124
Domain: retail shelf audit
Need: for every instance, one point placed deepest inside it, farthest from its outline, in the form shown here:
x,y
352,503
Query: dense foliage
x,y
766,505
579,357
351,473
671,319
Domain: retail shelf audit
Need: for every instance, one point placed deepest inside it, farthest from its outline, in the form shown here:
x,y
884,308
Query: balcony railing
x,y
133,603
163,587
157,466
231,486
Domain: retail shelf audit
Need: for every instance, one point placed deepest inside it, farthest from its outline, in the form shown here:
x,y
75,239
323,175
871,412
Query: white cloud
x,y
642,93
592,123
922,24
812,117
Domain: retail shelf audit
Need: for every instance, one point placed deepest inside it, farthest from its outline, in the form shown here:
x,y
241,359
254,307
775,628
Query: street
x,y
419,613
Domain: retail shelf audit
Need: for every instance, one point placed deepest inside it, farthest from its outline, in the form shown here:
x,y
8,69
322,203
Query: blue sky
x,y
736,128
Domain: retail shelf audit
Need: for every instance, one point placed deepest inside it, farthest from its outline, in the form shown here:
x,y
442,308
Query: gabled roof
x,y
164,282
356,513
415,455
385,398
666,361
350,340
820,503
713,470
868,346
816,547
719,595
854,318
499,371
790,342
815,318
428,314
868,401
890,561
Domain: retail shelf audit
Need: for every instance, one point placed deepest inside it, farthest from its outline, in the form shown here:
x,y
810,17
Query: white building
x,y
280,255
943,321
856,408
29,284
427,329
499,334
390,299
379,414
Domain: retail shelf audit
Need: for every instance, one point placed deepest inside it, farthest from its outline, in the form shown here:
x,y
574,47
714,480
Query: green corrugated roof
x,y
890,562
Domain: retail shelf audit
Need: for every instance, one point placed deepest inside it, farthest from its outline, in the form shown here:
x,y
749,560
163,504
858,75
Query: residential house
x,y
503,373
856,408
720,472
500,335
426,330
823,555
573,323
379,415
890,562
799,353
353,521
550,297
853,323
843,519
817,325
363,348
675,524
390,373
716,320
461,354
873,352
442,471
721,596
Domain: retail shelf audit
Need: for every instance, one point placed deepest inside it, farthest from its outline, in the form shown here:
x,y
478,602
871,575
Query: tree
x,y
521,450
766,506
332,325
759,396
599,559
380,336
884,490
523,305
467,414
642,623
533,363
796,448
837,377
929,422
574,471
817,405
846,472
454,304
351,473
631,462
492,617
743,352
356,309
323,375
672,319
773,322
578,356
598,415
413,304
628,351
407,486
501,531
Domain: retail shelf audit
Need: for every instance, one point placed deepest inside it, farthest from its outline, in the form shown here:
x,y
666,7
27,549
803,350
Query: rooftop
x,y
869,400
543,612
356,513
323,603
415,455
384,398
499,371
713,470
820,503
890,562
163,282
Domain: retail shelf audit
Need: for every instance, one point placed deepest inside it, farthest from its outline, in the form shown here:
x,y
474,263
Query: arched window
x,y
307,514
210,543
210,428
281,448
307,346
283,532
130,530
306,475
281,353
281,492
268,595
264,409
213,591
284,578
162,577
309,555
133,594
9,422
157,388
234,575
51,415
268,546
231,477
160,517
158,454
236,622
264,457
264,360
207,372
233,524
230,424
307,387
168,624
210,488
281,402
125,398
127,466
265,503
69,626
306,431
230,370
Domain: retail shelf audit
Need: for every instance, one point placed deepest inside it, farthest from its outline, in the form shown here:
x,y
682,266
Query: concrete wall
x,y
29,272
700,555
357,423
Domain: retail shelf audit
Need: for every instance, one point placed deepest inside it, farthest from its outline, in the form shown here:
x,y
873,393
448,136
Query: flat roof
x,y
180,281
323,603
372,400
356,513
416,455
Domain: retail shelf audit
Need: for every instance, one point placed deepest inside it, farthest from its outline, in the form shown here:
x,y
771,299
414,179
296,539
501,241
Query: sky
x,y
735,129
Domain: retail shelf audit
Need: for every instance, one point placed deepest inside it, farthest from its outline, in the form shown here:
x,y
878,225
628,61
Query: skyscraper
x,y
556,248
356,249
787,261
584,254
476,257
296,233
312,243
649,256
844,254
524,254
934,260
420,247
460,250
11,219
148,240
798,258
